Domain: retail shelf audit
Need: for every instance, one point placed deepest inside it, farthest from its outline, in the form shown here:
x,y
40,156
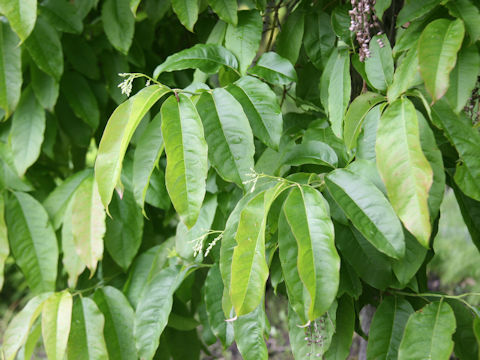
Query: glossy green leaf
x,y
342,339
4,247
45,87
243,39
406,268
119,317
381,6
428,333
387,328
249,332
86,339
153,310
118,24
379,66
356,113
56,319
405,75
311,152
260,105
19,327
186,151
10,69
274,69
226,10
187,12
45,48
62,15
209,58
476,328
88,223
289,40
403,167
470,14
21,14
466,346
367,138
117,135
228,134
8,173
369,211
412,10
32,241
437,54
319,38
368,170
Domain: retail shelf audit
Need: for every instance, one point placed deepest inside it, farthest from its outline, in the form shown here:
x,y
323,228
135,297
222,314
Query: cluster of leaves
x,y
282,160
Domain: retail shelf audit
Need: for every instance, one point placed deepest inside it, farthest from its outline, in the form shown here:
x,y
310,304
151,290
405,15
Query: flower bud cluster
x,y
364,22
313,335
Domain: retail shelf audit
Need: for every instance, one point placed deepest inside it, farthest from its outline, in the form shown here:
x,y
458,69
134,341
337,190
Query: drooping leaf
x,y
342,339
226,10
119,317
32,241
311,152
186,151
62,15
243,39
406,268
289,40
26,352
466,345
45,87
379,66
187,12
56,320
470,14
367,138
412,10
228,134
21,14
117,135
368,209
118,24
10,68
405,75
274,69
8,173
428,333
86,339
403,167
248,331
437,53
381,6
319,38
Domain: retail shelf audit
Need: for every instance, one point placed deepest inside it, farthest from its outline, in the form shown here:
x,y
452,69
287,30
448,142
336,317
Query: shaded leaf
x,y
118,24
249,330
379,66
289,40
342,339
62,15
274,69
187,12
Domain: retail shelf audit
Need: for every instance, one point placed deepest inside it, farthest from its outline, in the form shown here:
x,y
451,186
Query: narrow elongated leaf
x,y
62,15
406,268
186,151
470,14
437,54
428,333
28,127
187,12
119,317
26,352
412,10
289,40
387,328
8,174
4,247
476,328
228,134
32,241
86,339
381,6
244,39
311,152
56,319
226,10
117,135
153,310
367,138
344,325
274,69
319,38
19,327
45,48
21,14
10,69
260,105
318,263
88,223
248,330
379,66
369,211
46,88
405,75
403,167
209,58
356,113
118,24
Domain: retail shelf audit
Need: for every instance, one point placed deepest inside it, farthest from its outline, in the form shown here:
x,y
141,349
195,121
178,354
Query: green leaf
x,y
62,15
289,40
119,317
403,167
463,78
45,48
88,223
387,328
369,211
228,134
466,140
379,66
226,10
405,76
187,12
412,10
318,263
26,352
342,339
476,328
209,58
466,346
28,127
335,88
83,59
274,69
45,87
187,155
356,113
86,339
319,38
117,135
428,333
4,248
437,53
366,139
260,105
118,24
32,241
8,174
406,268
311,152
244,39
19,327
470,14
153,310
381,6
21,15
248,330
56,319
10,69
